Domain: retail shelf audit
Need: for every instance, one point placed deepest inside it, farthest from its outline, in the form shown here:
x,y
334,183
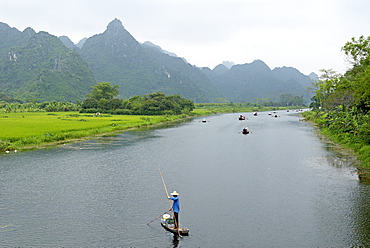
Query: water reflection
x,y
175,241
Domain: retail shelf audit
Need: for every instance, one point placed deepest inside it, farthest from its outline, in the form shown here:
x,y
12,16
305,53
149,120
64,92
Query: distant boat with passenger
x,y
241,117
245,131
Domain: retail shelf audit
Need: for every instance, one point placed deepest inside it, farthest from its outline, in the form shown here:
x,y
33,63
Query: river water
x,y
279,186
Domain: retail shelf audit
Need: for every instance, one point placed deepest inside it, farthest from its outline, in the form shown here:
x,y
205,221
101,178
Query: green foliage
x,y
344,101
22,130
103,91
156,103
335,92
347,127
358,51
38,66
89,103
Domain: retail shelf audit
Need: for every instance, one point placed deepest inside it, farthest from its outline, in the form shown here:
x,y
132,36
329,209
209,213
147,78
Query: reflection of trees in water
x,y
339,157
341,161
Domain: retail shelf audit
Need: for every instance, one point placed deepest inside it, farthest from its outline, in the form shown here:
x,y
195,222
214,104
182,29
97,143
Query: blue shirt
x,y
176,204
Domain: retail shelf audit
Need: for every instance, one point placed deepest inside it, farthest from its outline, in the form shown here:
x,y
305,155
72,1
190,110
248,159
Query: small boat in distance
x,y
168,223
241,117
204,120
245,131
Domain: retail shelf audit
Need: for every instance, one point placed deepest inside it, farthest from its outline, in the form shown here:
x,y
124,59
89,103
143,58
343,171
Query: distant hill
x,y
116,57
67,42
313,76
38,66
81,43
43,67
220,70
228,64
247,82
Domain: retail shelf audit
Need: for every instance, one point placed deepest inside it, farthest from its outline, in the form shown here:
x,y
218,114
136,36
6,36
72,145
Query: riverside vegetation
x,y
29,130
30,125
26,130
341,105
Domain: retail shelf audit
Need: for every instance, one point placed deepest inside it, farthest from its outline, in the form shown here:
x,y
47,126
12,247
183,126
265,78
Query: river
x,y
279,186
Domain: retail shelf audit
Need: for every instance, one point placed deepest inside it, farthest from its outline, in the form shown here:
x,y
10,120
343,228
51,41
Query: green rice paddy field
x,y
27,130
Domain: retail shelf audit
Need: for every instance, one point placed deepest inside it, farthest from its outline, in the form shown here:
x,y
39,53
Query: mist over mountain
x,y
45,67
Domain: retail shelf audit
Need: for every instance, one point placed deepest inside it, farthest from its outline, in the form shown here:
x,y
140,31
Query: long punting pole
x,y
169,201
165,188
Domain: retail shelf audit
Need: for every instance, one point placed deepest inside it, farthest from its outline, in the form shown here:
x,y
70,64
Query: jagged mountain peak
x,y
81,43
220,69
291,70
66,41
259,63
228,64
314,76
116,31
115,24
29,31
256,66
4,26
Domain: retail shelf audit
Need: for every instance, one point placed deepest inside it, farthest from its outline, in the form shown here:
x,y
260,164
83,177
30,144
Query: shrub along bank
x,y
341,104
348,130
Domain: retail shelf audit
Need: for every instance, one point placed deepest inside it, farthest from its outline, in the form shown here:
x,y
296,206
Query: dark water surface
x,y
278,187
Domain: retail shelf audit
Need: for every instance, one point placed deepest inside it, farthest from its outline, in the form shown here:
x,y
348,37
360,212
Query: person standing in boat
x,y
175,207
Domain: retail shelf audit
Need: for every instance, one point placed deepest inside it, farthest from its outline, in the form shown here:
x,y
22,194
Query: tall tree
x,y
103,91
358,53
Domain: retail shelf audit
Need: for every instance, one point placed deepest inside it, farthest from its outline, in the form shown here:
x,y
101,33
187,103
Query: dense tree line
x,y
52,106
101,99
342,102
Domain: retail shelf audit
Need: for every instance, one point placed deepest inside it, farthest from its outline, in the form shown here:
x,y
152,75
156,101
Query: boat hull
x,y
183,231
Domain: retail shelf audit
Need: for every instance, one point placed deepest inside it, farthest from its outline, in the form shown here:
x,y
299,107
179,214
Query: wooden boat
x,y
245,131
169,226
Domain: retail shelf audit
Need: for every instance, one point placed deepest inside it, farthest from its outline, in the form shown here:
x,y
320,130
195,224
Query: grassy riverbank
x,y
346,139
31,130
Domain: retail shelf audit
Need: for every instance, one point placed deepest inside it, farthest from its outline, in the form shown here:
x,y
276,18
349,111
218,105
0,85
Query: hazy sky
x,y
305,34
